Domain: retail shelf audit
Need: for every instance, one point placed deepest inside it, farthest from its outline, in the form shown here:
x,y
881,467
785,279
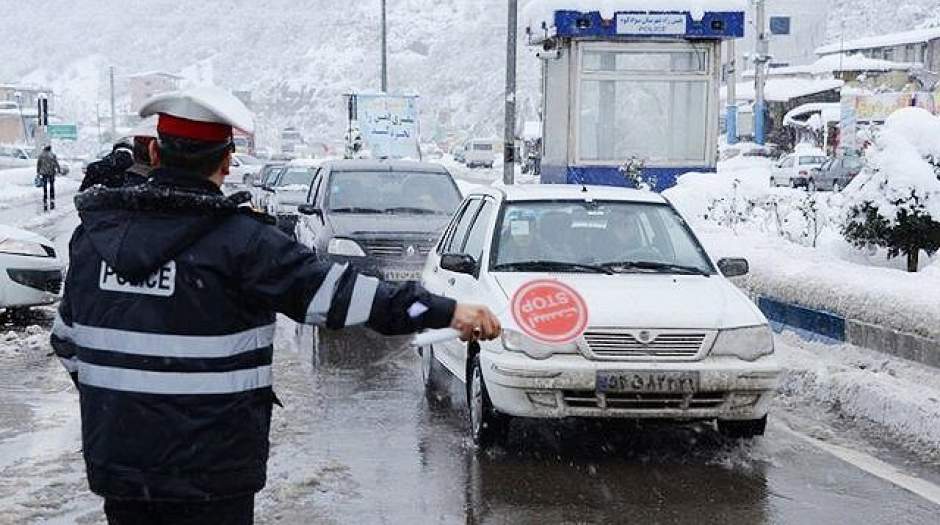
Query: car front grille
x,y
640,402
395,248
644,344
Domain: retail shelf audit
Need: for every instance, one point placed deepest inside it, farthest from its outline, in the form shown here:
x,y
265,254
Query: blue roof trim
x,y
591,25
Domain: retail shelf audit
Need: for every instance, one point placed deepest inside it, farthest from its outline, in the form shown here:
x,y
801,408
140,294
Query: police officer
x,y
128,163
168,319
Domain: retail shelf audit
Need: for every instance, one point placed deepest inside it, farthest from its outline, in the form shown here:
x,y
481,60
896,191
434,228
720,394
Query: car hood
x,y
652,300
16,234
354,224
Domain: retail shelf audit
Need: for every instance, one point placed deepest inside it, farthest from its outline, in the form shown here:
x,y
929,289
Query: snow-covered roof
x,y
836,63
155,74
543,11
784,89
830,112
887,40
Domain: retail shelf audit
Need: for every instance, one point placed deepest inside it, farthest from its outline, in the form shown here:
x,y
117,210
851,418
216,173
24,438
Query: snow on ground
x,y
17,186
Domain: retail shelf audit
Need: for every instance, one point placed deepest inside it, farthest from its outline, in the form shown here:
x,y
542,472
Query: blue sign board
x,y
780,25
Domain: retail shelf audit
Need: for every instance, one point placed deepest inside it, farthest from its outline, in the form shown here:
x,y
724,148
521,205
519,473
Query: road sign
x,y
62,131
780,25
550,312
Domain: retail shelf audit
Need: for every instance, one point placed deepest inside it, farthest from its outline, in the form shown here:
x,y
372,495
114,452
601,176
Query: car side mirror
x,y
459,263
309,209
734,267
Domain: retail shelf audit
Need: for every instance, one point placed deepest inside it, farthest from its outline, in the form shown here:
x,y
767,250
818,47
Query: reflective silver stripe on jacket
x,y
173,383
320,304
167,345
70,364
360,306
60,329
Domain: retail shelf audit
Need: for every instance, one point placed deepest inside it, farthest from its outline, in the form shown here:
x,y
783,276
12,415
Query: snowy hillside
x,y
297,58
871,17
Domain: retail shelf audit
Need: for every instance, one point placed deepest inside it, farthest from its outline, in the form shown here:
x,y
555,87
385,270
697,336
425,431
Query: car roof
x,y
383,165
541,192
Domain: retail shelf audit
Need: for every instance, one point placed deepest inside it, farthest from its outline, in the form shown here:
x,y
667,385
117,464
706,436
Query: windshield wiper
x,y
550,265
358,210
416,211
656,266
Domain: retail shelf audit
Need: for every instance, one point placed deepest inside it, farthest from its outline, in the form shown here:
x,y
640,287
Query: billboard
x,y
388,124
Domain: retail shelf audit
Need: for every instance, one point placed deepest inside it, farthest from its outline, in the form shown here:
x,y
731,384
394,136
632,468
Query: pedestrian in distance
x,y
168,316
47,167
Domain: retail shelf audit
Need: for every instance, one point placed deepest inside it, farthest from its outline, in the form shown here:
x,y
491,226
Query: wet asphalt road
x,y
395,457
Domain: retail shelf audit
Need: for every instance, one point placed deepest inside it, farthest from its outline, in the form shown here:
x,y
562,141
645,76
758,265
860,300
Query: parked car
x,y
286,191
243,170
30,270
794,170
668,335
835,174
261,184
480,153
460,153
15,157
382,217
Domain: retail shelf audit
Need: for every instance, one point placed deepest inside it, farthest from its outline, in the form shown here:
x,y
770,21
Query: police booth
x,y
639,91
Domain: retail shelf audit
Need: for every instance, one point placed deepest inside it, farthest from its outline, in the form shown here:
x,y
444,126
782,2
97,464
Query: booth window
x,y
652,104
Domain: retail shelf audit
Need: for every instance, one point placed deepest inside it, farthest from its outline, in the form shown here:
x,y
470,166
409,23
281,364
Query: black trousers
x,y
235,511
48,191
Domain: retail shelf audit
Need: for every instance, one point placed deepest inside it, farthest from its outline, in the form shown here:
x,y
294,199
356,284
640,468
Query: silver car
x,y
835,174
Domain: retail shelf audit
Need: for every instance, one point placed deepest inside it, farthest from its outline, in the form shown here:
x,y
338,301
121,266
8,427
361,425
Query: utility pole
x,y
113,113
384,47
760,68
731,79
509,137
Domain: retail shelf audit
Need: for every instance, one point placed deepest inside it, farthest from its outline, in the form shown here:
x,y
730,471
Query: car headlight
x,y
514,341
345,247
32,249
749,344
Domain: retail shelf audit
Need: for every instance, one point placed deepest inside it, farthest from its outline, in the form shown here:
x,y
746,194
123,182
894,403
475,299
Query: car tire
x,y
773,182
487,426
747,429
836,187
794,184
811,186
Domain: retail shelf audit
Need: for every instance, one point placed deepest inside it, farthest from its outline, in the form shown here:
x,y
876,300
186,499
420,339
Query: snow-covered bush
x,y
896,203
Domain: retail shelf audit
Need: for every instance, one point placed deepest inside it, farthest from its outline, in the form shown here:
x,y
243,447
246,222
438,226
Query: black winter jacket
x,y
167,325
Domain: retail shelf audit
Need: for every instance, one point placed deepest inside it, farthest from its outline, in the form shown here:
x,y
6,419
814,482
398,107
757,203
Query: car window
x,y
787,163
459,234
809,161
852,163
393,192
610,234
481,226
295,177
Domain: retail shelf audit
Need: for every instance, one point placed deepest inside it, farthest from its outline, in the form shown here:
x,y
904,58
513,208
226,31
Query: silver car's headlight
x,y
32,249
750,343
514,341
345,247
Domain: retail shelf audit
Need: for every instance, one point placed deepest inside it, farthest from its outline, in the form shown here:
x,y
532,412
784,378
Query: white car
x,y
481,153
30,270
795,170
15,157
667,336
243,170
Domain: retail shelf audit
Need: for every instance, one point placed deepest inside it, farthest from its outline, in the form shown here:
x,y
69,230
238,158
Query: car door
x,y
445,282
787,170
309,227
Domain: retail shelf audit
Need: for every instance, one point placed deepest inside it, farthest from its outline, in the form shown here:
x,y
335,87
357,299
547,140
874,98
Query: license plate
x,y
648,382
402,275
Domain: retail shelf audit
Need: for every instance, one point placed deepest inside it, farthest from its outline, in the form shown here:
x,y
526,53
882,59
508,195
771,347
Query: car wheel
x,y
746,429
836,187
773,182
794,184
811,186
487,426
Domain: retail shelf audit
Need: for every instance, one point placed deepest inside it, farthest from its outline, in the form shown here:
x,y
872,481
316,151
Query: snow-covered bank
x,y
893,397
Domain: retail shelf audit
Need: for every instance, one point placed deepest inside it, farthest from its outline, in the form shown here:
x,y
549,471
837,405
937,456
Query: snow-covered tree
x,y
895,204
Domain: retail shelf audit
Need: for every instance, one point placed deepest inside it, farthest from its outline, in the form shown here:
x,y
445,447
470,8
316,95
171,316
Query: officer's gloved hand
x,y
109,171
476,323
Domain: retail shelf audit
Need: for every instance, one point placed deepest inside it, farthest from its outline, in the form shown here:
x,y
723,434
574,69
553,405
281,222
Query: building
x,y
19,111
144,86
26,97
919,46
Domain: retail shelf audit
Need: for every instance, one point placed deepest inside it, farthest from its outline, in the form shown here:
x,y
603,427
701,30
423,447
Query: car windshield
x,y
809,161
395,192
248,159
296,177
594,237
